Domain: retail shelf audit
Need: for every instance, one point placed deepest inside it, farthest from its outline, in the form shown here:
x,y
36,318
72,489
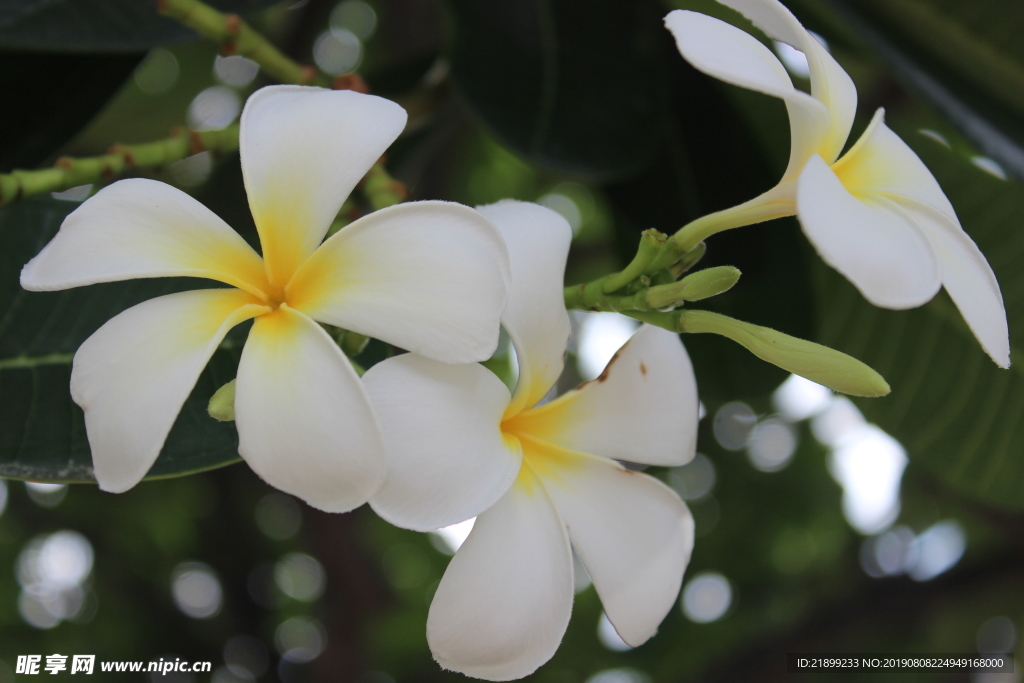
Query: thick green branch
x,y
70,172
238,38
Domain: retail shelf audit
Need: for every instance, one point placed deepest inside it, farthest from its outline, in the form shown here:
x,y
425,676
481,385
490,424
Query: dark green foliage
x,y
42,432
96,25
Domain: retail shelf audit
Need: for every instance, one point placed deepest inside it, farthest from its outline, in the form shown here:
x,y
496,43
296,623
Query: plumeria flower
x,y
541,476
427,276
875,214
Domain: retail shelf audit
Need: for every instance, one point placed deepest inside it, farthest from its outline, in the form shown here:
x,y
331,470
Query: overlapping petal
x,y
303,151
969,279
643,408
441,424
430,277
870,239
725,52
535,316
132,376
141,228
304,420
634,535
504,602
830,84
881,163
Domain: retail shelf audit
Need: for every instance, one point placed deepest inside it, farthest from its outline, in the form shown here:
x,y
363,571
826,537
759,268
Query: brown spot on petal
x,y
643,369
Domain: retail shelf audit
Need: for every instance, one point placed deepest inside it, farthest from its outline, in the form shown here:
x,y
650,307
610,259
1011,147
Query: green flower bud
x,y
694,287
222,403
818,363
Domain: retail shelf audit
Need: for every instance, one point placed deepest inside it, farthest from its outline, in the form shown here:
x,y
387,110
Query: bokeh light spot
x,y
609,637
600,336
338,51
733,424
214,108
695,479
300,576
771,445
300,639
235,70
196,590
707,597
157,73
278,516
354,16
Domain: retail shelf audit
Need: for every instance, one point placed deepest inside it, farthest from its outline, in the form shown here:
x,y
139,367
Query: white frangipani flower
x,y
541,476
876,214
427,276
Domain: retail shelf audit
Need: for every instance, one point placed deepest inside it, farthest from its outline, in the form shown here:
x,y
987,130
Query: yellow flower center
x,y
541,459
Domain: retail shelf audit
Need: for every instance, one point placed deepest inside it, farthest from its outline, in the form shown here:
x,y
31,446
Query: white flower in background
x,y
427,276
876,214
541,476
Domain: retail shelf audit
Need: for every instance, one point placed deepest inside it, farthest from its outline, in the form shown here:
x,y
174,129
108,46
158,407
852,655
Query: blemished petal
x,y
504,602
303,149
132,376
874,243
535,316
880,162
725,52
643,408
430,277
441,426
304,420
634,535
969,279
140,228
830,84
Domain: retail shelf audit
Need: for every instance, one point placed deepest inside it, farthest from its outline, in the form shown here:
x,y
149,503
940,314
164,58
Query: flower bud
x,y
818,363
222,403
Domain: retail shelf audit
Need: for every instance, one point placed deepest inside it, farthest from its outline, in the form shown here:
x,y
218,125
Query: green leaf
x,y
42,431
975,42
56,96
955,411
575,87
97,25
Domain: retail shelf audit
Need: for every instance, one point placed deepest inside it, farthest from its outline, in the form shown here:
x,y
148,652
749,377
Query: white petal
x,y
141,228
303,150
304,420
441,426
430,277
535,316
830,84
969,279
132,376
643,408
867,238
729,54
725,52
633,534
882,163
504,602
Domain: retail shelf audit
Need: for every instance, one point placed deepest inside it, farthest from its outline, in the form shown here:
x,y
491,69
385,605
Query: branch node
x,y
352,81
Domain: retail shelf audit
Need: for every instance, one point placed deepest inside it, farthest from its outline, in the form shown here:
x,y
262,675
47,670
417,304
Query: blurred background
x,y
823,524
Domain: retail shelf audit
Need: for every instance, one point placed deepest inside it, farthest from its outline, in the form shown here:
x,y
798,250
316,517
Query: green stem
x,y
70,172
652,243
238,38
590,296
775,203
